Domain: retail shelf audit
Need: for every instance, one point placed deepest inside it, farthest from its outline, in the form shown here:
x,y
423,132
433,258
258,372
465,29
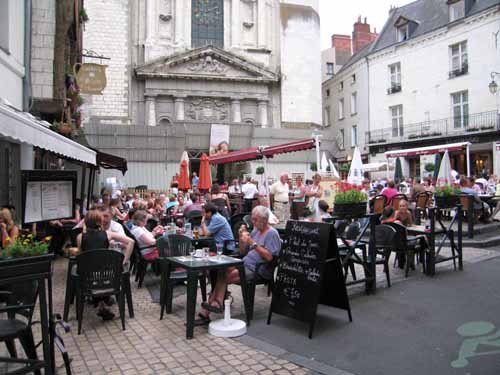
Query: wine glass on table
x,y
220,249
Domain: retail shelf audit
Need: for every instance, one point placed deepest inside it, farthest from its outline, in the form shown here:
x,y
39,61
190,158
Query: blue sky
x,y
338,16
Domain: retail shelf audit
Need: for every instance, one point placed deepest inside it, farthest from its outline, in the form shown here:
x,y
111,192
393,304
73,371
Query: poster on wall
x,y
219,139
48,195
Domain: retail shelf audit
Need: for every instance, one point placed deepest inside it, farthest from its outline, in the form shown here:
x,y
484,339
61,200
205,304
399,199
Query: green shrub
x,y
429,167
259,170
351,196
446,191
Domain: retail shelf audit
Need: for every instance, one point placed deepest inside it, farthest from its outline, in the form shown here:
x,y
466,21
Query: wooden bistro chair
x,y
422,201
396,200
378,204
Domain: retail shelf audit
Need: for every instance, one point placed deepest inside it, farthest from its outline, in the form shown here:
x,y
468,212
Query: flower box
x,y
446,201
19,267
349,209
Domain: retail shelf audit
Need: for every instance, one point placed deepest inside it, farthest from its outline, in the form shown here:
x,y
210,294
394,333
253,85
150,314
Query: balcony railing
x,y
459,72
454,126
394,89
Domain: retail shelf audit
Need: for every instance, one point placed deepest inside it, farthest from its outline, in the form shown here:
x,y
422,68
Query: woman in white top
x,y
314,193
144,237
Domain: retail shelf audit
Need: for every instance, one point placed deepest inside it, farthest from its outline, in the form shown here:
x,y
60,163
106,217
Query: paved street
x,y
151,346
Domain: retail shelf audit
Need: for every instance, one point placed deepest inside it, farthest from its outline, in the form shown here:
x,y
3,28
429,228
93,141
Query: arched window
x,y
207,23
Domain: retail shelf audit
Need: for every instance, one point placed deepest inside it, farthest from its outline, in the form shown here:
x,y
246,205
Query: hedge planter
x,y
349,209
19,267
449,201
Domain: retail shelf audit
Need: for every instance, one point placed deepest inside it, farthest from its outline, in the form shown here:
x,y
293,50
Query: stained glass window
x,y
207,23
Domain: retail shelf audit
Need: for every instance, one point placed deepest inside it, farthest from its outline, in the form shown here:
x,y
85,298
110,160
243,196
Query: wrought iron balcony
x,y
449,127
394,89
459,72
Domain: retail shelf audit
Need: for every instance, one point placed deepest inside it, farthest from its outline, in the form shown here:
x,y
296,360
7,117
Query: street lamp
x,y
493,86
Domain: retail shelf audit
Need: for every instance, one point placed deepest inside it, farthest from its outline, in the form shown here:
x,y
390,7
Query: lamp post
x,y
316,137
493,86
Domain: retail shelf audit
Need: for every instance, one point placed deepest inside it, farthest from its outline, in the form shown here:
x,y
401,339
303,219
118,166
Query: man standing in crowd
x,y
235,187
249,191
195,180
280,196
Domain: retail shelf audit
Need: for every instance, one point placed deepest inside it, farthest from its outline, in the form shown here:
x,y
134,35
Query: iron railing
x,y
454,126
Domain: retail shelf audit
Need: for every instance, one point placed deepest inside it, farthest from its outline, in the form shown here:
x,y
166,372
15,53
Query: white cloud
x,y
338,16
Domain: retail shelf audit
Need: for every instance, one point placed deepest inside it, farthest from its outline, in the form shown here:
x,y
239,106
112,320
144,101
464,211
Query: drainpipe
x,y
368,93
27,57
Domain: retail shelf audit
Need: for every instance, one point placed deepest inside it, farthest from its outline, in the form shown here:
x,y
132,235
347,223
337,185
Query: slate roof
x,y
429,14
361,54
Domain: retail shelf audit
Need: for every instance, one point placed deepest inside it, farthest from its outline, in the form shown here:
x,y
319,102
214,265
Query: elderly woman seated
x,y
145,239
261,245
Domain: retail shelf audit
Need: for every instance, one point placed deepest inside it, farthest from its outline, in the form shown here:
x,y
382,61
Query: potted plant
x,y
314,166
446,196
259,170
25,256
350,203
429,167
64,128
83,16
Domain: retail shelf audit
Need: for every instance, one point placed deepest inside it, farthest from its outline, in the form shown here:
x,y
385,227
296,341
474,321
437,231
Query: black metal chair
x,y
259,280
406,247
138,264
19,304
385,237
236,221
99,275
175,245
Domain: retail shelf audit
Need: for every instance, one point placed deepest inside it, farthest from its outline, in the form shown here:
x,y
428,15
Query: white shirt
x,y
249,190
280,192
234,189
116,227
140,234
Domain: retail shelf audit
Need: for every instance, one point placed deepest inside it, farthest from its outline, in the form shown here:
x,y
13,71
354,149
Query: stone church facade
x,y
178,66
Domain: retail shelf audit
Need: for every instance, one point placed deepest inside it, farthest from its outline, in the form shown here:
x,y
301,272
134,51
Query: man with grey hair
x,y
261,245
280,196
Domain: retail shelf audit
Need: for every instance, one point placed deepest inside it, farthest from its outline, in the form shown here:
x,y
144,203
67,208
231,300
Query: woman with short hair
x,y
145,239
8,230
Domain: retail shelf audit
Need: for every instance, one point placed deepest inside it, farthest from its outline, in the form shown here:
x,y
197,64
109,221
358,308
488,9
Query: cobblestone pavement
x,y
151,346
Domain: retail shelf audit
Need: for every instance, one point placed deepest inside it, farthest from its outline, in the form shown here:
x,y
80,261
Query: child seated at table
x,y
404,215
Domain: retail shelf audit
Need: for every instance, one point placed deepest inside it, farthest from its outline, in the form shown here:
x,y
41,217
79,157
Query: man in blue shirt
x,y
479,205
195,180
215,225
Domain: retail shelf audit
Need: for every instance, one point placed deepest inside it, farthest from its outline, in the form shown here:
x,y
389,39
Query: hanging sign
x,y
91,78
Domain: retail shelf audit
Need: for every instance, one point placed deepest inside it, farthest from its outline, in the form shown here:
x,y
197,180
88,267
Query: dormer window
x,y
456,9
404,28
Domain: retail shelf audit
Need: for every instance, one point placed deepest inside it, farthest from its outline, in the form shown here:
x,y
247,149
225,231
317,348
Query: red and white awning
x,y
302,145
247,154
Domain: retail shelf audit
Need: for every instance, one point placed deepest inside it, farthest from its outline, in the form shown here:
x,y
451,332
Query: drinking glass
x,y
220,248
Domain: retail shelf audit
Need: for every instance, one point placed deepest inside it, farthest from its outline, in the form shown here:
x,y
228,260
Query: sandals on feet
x,y
213,309
202,321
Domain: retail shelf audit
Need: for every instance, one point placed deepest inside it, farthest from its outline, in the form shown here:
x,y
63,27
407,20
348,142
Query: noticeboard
x,y
48,195
309,273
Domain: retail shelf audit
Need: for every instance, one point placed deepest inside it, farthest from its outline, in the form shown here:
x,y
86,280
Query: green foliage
x,y
259,170
83,15
25,246
351,196
314,166
345,167
446,191
429,167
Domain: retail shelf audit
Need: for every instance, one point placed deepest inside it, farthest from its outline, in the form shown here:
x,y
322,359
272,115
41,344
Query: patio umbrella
x,y
444,175
185,157
205,182
398,172
437,163
355,176
184,177
333,170
324,164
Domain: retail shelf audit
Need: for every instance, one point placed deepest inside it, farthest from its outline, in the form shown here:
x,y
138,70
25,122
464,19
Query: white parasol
x,y
333,170
324,163
444,176
355,176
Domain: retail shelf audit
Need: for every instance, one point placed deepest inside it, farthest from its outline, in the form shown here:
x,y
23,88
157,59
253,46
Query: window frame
x,y
461,55
4,27
341,109
342,145
330,68
398,126
463,107
354,103
403,37
205,34
354,136
453,6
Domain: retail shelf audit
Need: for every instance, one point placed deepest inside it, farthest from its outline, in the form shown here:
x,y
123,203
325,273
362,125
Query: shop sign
x,y
91,78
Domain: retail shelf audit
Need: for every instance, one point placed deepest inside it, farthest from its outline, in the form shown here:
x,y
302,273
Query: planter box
x,y
350,209
18,267
447,201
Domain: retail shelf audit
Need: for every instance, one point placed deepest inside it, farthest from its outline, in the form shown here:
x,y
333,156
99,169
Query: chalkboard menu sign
x,y
309,273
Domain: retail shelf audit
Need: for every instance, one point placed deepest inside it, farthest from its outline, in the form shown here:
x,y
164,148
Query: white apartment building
x,y
429,71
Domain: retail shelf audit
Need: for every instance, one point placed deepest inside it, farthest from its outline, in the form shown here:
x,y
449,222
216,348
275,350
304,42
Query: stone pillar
x,y
150,26
263,113
179,109
150,111
235,23
236,110
261,23
179,21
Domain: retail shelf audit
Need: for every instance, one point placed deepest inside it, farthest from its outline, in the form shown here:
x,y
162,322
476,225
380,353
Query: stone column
x,y
261,23
235,23
236,110
263,113
150,26
179,109
150,111
179,21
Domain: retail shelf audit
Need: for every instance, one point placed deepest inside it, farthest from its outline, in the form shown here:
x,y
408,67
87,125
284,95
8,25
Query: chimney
x,y
341,42
362,35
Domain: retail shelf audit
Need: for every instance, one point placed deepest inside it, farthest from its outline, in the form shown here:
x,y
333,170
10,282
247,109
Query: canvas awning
x,y
24,128
108,161
301,145
430,150
246,154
